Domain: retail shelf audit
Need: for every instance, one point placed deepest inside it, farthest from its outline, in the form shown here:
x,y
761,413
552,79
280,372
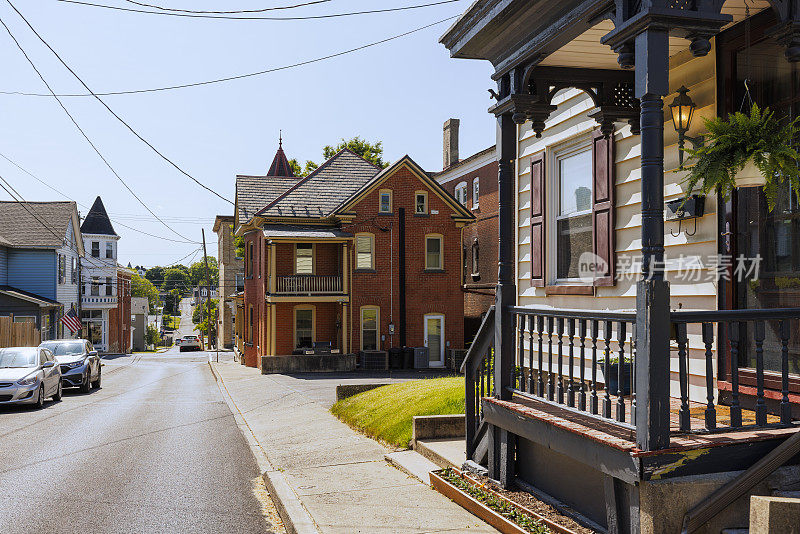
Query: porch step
x,y
412,463
786,494
450,452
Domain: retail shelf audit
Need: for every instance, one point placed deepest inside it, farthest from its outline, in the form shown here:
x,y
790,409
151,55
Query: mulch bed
x,y
527,500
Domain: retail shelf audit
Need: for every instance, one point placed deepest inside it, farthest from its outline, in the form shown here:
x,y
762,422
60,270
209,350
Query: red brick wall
x,y
479,293
426,292
119,318
254,295
326,259
327,314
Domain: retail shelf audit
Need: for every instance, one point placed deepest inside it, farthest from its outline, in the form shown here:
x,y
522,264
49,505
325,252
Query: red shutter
x,y
537,221
603,209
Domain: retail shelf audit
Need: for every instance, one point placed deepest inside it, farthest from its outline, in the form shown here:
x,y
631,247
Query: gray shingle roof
x,y
19,228
255,192
324,190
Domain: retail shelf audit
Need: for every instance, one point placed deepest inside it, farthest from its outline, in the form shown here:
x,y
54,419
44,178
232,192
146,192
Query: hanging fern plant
x,y
733,142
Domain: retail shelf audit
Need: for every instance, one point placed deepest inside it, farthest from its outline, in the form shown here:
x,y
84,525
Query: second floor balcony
x,y
309,284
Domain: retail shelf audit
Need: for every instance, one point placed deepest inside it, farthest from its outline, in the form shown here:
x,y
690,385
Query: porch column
x,y
652,291
501,448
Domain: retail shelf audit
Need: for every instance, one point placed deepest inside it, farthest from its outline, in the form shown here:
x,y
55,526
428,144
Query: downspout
x,y
401,275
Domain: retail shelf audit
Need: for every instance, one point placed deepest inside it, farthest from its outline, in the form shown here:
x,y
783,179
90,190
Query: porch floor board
x,y
625,439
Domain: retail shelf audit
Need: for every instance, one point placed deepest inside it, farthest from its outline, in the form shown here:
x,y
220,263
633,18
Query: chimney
x,y
450,152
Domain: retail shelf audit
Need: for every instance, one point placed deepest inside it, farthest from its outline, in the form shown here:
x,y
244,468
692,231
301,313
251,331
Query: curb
x,y
294,515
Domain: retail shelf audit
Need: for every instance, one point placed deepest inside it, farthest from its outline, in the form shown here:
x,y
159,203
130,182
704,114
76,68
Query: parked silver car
x,y
28,375
79,362
189,342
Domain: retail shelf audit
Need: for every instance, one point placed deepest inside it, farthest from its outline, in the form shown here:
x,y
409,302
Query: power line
x,y
262,10
115,219
201,15
241,76
84,133
120,119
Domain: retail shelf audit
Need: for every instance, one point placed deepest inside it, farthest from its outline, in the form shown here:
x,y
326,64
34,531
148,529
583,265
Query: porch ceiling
x,y
586,51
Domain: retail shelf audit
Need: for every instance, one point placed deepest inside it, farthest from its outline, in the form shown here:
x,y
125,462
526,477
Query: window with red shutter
x,y
538,252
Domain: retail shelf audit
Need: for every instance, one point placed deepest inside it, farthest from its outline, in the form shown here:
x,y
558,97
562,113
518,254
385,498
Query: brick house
x,y
351,258
231,269
473,182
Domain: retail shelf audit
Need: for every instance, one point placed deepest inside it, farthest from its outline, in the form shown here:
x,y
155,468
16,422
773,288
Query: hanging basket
x,y
750,176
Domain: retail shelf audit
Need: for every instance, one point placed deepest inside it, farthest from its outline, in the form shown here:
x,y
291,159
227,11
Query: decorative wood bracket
x,y
611,92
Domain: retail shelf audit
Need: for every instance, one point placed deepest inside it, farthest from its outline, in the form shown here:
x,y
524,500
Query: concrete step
x,y
448,452
412,463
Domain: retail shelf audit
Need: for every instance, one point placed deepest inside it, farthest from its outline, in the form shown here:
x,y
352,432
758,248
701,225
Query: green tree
x,y
372,152
172,301
197,272
175,278
155,275
142,287
151,336
369,151
201,313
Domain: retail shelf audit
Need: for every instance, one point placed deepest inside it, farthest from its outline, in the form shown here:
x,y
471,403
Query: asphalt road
x,y
155,450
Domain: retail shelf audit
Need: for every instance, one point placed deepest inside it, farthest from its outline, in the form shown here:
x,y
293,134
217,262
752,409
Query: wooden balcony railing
x,y
309,284
741,333
596,342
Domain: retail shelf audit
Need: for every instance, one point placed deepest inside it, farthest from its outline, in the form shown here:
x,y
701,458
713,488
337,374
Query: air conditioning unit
x,y
374,360
421,357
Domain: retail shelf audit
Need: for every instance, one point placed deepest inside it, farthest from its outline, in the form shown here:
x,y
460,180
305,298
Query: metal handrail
x,y
480,344
713,316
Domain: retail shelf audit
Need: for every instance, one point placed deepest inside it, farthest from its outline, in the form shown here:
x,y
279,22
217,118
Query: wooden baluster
x,y
683,377
582,384
540,372
607,369
550,385
571,384
633,372
708,341
593,398
530,354
560,381
621,336
517,374
786,408
761,405
736,408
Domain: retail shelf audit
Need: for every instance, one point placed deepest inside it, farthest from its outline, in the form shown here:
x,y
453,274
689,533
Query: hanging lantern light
x,y
682,109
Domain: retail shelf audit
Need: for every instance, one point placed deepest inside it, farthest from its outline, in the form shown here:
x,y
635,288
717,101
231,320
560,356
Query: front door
x,y
748,228
434,339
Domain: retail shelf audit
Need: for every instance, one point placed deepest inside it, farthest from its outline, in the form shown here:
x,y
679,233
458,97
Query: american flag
x,y
71,320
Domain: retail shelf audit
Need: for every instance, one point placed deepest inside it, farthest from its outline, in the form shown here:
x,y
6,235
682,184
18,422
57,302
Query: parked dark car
x,y
28,375
79,362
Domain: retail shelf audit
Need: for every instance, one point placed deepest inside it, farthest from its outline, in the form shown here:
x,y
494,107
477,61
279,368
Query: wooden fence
x,y
18,334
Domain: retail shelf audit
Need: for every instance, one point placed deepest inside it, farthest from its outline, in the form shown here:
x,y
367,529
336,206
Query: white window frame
x,y
440,238
476,192
460,192
381,193
423,194
578,144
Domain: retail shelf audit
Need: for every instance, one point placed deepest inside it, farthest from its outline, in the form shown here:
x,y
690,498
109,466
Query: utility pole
x,y
208,292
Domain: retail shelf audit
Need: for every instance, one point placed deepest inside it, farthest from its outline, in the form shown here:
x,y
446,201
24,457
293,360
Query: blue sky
x,y
399,92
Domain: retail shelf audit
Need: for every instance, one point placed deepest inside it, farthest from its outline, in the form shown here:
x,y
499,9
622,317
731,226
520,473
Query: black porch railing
x,y
744,335
582,360
478,369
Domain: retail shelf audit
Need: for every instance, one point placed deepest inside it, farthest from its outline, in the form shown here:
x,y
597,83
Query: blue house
x,y
40,251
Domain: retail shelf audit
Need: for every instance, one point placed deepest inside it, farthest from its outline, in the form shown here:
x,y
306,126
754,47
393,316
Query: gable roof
x,y
460,211
21,229
97,221
319,194
255,192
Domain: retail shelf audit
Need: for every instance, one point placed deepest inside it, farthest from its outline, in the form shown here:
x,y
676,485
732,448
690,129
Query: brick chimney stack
x,y
450,152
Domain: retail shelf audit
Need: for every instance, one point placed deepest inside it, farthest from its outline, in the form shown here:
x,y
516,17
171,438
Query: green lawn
x,y
386,412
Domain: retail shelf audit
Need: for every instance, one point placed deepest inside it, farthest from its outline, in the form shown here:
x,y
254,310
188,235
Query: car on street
x,y
29,375
189,343
79,362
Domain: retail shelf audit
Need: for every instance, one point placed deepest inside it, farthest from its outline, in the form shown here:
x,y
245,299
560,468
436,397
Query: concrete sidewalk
x,y
324,476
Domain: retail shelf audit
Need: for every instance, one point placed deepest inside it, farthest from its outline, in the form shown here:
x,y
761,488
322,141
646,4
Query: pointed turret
x,y
97,221
280,165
